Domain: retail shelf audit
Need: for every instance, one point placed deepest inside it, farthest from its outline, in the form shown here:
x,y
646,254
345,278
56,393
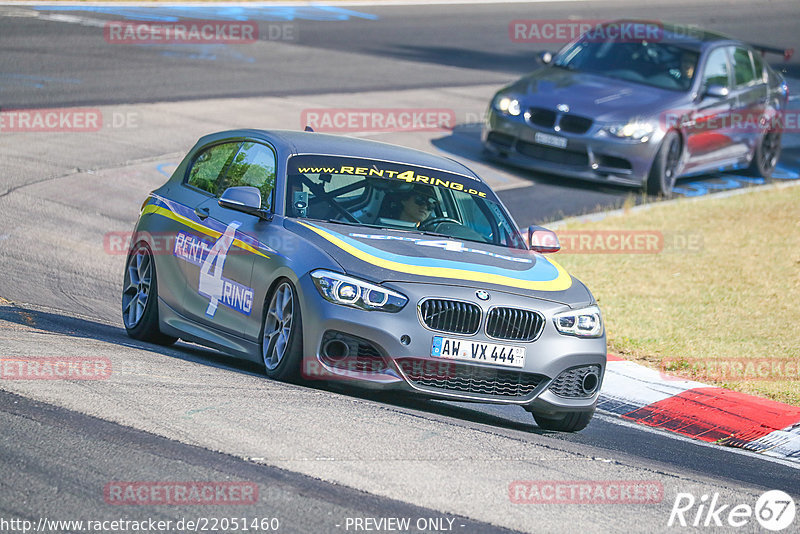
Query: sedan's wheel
x,y
766,156
282,338
664,171
570,422
140,298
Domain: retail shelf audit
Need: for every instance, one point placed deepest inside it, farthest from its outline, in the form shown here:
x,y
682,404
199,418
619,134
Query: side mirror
x,y
545,58
543,240
246,199
716,91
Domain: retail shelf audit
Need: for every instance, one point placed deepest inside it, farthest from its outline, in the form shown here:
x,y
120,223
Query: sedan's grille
x,y
514,324
574,124
554,155
450,316
574,383
469,378
542,117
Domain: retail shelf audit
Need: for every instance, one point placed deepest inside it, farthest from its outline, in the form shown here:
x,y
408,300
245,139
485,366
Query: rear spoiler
x,y
785,52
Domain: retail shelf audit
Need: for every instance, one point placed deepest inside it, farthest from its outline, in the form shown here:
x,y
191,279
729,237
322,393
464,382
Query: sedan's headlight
x,y
349,291
586,322
506,104
634,129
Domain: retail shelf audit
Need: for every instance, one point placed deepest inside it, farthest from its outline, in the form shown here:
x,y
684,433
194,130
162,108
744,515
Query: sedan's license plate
x,y
550,140
476,351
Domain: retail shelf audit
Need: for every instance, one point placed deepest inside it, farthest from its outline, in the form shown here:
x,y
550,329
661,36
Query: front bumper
x,y
589,156
392,351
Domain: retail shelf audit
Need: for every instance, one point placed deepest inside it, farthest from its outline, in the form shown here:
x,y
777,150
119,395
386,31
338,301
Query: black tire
x,y
141,320
664,171
571,422
283,365
767,153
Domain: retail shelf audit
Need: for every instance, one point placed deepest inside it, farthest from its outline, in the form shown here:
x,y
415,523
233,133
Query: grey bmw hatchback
x,y
333,258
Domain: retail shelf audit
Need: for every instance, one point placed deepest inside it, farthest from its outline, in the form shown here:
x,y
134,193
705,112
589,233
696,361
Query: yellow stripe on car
x,y
562,282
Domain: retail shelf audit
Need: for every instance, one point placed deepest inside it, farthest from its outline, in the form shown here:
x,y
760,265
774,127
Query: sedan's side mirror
x,y
542,240
716,91
246,199
545,58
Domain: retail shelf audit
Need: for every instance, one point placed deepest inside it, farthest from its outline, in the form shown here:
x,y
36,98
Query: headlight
x,y
586,322
349,291
506,104
635,129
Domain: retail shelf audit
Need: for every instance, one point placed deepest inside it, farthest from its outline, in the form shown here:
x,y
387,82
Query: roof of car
x,y
339,145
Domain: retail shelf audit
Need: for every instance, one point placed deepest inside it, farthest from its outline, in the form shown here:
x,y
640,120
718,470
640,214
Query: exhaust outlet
x,y
590,382
335,350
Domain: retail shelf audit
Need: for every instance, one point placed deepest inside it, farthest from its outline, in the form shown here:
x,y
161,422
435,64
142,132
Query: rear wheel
x,y
570,422
767,153
140,298
282,334
664,171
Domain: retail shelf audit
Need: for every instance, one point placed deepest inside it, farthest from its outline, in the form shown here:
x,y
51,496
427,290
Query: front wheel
x,y
140,298
282,334
570,422
664,171
767,153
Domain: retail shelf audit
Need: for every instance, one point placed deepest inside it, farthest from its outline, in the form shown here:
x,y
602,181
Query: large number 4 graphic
x,y
211,285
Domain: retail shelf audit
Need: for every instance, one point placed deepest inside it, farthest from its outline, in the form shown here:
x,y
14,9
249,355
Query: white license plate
x,y
477,351
550,140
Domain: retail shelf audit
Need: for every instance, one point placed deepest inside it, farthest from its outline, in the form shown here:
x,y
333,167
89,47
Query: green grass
x,y
735,296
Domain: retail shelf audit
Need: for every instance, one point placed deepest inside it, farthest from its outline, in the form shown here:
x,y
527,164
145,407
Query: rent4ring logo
x,y
774,511
211,259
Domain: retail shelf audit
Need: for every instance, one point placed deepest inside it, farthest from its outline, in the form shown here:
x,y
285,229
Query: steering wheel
x,y
436,221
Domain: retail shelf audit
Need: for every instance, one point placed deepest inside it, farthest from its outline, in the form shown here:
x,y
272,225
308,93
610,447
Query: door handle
x,y
202,213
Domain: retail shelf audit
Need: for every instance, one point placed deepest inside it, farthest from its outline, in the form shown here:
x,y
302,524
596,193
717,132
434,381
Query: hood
x,y
591,95
380,255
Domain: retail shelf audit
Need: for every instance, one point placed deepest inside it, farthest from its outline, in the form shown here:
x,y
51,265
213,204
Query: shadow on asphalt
x,y
64,325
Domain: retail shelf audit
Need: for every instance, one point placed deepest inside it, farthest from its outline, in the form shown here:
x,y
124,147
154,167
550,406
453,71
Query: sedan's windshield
x,y
397,196
662,65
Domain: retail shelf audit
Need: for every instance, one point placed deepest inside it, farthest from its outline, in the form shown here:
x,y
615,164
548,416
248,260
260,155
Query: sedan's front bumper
x,y
393,351
590,156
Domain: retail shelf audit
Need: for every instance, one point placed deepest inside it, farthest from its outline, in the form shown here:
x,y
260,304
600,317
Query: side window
x,y
716,69
209,164
758,63
742,67
253,165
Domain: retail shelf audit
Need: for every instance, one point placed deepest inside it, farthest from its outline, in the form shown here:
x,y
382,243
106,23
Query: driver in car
x,y
413,206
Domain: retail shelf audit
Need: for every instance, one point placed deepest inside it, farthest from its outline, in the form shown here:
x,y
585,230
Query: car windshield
x,y
397,196
662,65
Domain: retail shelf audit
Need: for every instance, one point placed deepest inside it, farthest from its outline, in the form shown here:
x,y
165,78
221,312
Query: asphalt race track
x,y
321,456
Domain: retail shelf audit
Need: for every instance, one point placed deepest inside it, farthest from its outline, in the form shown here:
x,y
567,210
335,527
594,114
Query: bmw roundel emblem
x,y
481,294
563,108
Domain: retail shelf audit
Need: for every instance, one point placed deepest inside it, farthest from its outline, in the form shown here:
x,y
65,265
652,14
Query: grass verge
x,y
718,303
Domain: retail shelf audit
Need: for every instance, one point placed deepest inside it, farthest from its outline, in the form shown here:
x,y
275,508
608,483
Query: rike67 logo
x,y
774,511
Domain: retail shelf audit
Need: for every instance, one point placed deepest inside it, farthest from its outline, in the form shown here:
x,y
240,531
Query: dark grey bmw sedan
x,y
643,111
